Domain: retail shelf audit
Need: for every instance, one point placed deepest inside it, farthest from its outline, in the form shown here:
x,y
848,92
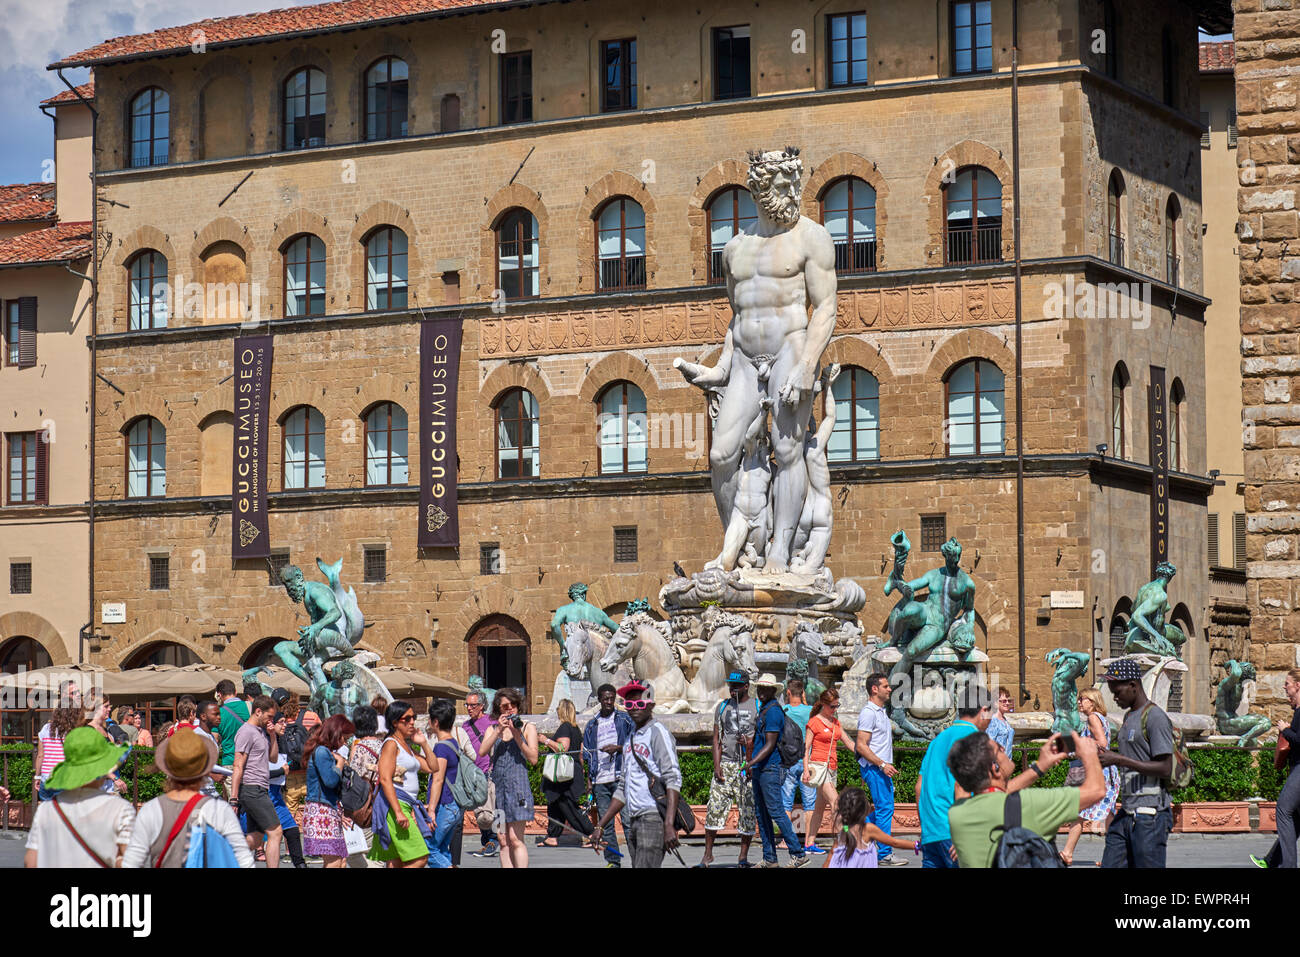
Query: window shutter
x,y
1232,129
26,332
1238,539
1205,136
42,467
1212,538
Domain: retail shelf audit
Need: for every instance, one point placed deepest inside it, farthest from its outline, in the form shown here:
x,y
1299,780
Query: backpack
x,y
1020,847
470,789
1182,773
292,742
356,792
789,746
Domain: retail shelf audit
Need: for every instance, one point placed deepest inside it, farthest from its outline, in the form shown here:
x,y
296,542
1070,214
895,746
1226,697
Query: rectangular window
x,y
27,469
1232,129
846,55
934,532
1239,540
731,63
159,573
376,563
972,37
625,544
1205,135
275,562
20,578
19,332
618,76
11,333
1212,538
490,558
517,87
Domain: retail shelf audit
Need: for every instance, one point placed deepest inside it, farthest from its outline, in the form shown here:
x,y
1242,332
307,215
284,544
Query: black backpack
x,y
293,741
1020,847
789,746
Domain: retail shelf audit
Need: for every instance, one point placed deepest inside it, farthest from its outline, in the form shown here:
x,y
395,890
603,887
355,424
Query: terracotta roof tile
x,y
252,26
26,202
58,243
86,89
1218,57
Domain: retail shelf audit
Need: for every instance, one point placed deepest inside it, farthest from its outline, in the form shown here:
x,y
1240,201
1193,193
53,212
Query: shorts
x,y
722,794
818,772
255,802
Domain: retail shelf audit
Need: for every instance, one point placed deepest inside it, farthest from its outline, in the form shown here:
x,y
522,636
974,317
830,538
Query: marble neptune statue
x,y
780,276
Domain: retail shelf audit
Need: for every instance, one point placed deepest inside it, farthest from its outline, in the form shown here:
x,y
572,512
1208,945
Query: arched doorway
x,y
262,653
499,650
161,653
22,654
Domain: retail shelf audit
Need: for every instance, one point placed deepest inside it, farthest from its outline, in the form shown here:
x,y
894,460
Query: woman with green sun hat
x,y
82,826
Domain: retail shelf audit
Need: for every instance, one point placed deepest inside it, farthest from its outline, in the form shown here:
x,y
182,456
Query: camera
x,y
517,721
1064,744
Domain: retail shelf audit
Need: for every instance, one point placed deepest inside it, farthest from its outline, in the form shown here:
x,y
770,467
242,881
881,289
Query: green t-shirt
x,y
976,822
233,714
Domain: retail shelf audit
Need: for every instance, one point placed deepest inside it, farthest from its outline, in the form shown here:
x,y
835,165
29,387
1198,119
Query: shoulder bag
x,y
80,840
684,820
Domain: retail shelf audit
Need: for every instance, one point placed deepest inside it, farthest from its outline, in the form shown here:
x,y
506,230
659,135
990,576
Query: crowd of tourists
x,y
226,763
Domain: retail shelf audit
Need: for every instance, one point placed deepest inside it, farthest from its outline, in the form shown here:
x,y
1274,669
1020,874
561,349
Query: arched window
x,y
304,109
304,276
849,215
386,83
1118,412
386,462
1172,211
303,462
972,217
518,255
162,653
1114,217
1176,399
386,269
856,436
976,409
23,654
146,459
20,724
730,212
517,431
624,443
620,244
147,304
150,128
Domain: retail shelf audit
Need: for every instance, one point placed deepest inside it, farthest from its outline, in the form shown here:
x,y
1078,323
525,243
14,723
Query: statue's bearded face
x,y
294,583
775,181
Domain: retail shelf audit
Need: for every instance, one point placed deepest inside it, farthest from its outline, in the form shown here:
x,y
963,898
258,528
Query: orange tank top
x,y
825,734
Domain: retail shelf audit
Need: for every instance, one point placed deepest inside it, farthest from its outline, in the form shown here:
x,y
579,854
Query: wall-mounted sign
x,y
1158,429
439,375
250,531
1067,599
113,613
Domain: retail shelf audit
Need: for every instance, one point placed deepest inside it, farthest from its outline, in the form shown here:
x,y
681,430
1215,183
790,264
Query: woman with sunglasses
x,y
512,742
401,823
820,761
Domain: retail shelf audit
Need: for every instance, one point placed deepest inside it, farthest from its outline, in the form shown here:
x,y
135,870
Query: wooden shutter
x,y
1239,539
1212,538
42,467
26,332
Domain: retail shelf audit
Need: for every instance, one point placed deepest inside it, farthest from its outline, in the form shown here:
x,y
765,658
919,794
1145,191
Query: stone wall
x,y
1268,82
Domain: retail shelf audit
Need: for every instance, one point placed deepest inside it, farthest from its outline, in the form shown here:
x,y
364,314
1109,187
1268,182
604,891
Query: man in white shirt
x,y
602,748
82,826
650,751
875,747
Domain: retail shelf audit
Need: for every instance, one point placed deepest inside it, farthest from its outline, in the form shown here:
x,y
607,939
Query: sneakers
x,y
813,849
1259,861
893,860
799,861
770,864
489,849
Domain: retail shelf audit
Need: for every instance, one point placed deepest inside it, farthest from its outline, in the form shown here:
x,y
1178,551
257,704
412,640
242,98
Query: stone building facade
x,y
1268,148
229,203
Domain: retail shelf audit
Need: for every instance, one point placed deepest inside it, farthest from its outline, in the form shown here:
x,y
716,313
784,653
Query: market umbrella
x,y
407,681
44,682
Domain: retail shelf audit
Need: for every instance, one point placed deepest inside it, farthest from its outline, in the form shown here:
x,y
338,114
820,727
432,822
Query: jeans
x,y
937,854
1138,840
881,786
604,794
645,840
767,805
449,815
807,792
1283,852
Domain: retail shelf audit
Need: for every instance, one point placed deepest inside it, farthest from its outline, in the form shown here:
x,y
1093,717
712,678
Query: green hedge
x,y
19,770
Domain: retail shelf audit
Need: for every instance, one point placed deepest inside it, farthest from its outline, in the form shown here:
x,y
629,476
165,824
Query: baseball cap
x,y
640,689
1123,669
280,696
737,678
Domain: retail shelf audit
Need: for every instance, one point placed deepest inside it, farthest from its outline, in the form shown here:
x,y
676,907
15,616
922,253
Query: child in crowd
x,y
856,836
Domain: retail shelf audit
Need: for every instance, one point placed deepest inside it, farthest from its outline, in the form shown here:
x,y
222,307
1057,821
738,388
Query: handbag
x,y
684,820
354,837
1075,776
1282,753
557,768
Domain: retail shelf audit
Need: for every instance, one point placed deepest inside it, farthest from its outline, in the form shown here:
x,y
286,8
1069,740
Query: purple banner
x,y
439,374
250,532
1158,429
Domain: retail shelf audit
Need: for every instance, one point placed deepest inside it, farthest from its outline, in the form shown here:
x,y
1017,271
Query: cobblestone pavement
x,y
1185,850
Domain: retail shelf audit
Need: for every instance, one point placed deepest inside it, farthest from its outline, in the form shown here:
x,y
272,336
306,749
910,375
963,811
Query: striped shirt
x,y
51,750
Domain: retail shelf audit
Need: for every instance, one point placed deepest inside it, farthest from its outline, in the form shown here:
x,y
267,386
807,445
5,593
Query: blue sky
x,y
39,32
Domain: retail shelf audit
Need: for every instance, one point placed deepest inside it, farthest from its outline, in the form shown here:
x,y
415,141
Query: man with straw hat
x,y
82,826
162,829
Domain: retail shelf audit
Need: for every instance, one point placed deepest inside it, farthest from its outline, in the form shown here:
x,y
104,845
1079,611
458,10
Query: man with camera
x,y
733,731
983,770
649,759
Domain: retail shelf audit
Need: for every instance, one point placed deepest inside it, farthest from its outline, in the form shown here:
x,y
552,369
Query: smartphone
x,y
1064,744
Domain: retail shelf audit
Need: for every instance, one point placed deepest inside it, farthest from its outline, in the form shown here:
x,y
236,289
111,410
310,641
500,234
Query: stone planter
x,y
1268,816
1212,817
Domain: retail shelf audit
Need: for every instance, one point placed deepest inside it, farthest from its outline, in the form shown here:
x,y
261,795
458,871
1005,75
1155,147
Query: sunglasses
x,y
406,717
639,704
